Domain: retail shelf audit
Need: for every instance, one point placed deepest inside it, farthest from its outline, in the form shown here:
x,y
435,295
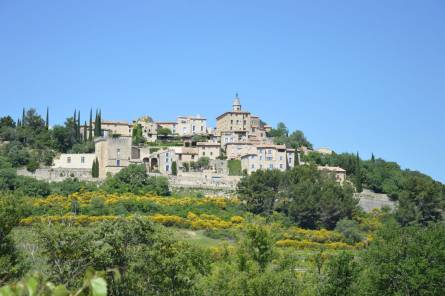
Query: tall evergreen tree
x,y
23,118
74,124
78,127
358,175
47,118
100,123
96,125
85,132
90,129
372,158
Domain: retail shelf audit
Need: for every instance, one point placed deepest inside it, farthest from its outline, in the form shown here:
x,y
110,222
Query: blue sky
x,y
365,76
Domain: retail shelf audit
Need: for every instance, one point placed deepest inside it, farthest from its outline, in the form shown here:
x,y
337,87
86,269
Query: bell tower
x,y
236,103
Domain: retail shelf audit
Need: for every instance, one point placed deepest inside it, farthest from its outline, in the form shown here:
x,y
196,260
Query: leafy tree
x,y
405,261
164,132
7,121
350,230
138,137
420,200
134,179
203,162
280,131
12,209
340,276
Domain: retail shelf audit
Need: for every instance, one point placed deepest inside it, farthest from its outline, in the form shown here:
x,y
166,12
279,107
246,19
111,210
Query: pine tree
x,y
47,118
90,129
372,158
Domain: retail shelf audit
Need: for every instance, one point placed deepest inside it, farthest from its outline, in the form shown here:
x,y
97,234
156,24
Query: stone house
x,y
337,172
212,150
74,161
191,125
268,156
237,149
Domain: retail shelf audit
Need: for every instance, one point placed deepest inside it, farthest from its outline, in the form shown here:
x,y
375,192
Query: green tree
x,y
405,261
90,127
340,276
174,168
164,132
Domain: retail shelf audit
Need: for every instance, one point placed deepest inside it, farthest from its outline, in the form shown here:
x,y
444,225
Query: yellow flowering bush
x,y
84,198
319,236
306,244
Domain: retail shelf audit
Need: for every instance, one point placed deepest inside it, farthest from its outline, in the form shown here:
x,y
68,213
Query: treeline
x,y
308,197
31,142
420,198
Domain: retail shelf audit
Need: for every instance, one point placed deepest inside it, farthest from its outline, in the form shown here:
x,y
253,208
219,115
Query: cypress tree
x,y
358,175
372,158
78,127
96,125
100,123
74,124
47,118
22,123
85,131
90,129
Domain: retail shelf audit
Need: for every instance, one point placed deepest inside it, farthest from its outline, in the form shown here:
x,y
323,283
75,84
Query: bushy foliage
x,y
405,261
309,198
134,179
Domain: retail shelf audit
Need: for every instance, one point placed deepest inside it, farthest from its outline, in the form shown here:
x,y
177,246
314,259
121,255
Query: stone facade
x,y
191,125
268,157
74,161
113,153
337,172
212,150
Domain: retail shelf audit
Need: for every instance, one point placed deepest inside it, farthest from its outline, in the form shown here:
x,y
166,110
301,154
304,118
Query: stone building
x,y
240,126
171,125
113,153
337,172
212,150
191,125
74,161
268,156
122,128
237,149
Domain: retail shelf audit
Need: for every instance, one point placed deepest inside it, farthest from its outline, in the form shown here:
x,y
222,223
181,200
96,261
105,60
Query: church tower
x,y
236,104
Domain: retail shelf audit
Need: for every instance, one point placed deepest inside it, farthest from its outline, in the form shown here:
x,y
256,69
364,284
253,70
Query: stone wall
x,y
205,180
58,174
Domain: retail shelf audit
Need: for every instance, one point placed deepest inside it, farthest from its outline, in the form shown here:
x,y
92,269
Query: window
x,y
166,160
203,153
166,154
269,158
253,166
82,159
202,128
193,157
68,159
271,166
211,153
281,157
270,151
118,162
261,157
231,121
281,165
167,167
118,152
193,128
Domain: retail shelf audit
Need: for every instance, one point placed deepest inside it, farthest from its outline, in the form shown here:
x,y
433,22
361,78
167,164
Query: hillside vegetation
x,y
285,233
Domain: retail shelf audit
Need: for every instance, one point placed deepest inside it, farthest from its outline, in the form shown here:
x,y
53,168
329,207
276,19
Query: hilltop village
x,y
187,150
